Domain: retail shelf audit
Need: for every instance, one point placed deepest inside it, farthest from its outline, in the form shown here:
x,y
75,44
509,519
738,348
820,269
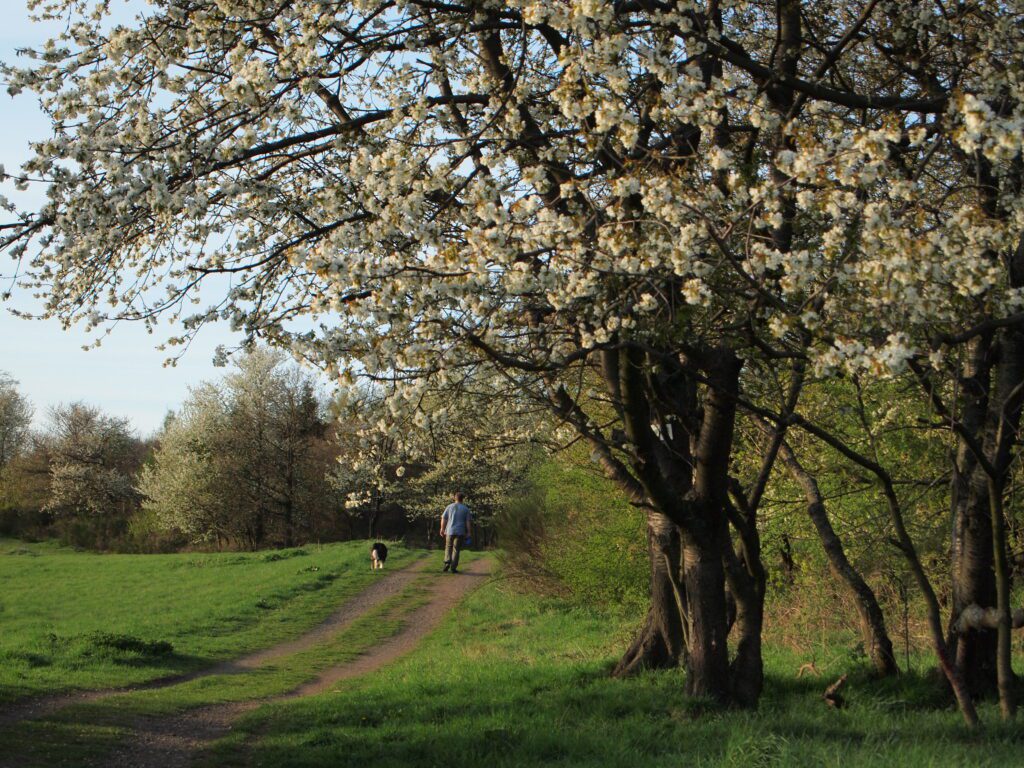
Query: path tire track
x,y
369,598
176,741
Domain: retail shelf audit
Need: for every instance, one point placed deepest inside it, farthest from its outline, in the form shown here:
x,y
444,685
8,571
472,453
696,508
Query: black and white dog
x,y
378,554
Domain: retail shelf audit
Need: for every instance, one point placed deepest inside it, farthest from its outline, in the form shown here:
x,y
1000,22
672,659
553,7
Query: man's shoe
x,y
446,567
455,570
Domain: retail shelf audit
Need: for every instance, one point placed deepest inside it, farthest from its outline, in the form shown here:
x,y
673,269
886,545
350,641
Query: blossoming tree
x,y
626,212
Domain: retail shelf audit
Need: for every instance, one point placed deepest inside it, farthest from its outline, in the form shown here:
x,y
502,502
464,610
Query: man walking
x,y
456,525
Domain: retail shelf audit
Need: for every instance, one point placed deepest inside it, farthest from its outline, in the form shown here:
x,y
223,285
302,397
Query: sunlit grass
x,y
76,621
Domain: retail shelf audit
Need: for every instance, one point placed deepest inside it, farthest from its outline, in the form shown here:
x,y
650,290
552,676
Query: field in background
x,y
74,620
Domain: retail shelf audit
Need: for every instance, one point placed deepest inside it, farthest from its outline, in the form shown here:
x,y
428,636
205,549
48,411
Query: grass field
x,y
82,734
75,620
508,680
521,681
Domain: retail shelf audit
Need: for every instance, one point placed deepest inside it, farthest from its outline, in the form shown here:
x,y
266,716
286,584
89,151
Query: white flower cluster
x,y
431,195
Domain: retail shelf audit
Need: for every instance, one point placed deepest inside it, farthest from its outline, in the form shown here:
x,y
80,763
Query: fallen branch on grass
x,y
832,696
808,669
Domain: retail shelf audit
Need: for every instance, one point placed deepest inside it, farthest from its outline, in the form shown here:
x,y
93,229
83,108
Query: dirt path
x,y
174,742
375,594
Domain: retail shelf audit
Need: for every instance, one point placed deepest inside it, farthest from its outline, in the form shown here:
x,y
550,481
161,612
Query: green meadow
x,y
509,679
520,681
72,620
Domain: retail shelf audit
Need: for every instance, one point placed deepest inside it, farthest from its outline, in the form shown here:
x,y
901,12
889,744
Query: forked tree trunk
x,y
660,643
679,469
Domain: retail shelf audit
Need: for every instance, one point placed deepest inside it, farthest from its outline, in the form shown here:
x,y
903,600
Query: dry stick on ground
x,y
808,669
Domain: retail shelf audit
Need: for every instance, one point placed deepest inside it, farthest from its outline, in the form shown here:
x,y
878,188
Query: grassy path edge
x,y
175,742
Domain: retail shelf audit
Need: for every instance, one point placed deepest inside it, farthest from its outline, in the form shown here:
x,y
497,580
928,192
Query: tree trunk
x,y
747,669
706,543
1004,659
707,657
660,643
872,620
981,573
289,523
1006,412
952,672
374,515
786,561
906,545
973,574
974,583
680,466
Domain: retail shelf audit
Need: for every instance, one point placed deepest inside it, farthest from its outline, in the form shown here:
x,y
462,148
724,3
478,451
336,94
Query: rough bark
x,y
1009,387
987,432
746,672
660,642
872,620
994,369
707,657
968,658
1004,660
680,458
973,575
748,581
706,541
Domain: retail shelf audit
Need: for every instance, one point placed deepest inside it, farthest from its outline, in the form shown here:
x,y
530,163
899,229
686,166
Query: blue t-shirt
x,y
455,519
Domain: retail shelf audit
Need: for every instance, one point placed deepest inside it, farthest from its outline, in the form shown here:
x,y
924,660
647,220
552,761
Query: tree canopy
x,y
638,215
246,460
525,182
15,420
92,461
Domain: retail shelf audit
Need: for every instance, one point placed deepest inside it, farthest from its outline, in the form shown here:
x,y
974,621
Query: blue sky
x,y
126,375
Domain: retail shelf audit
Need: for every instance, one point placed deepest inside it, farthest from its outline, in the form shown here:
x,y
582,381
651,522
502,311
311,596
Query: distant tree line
x,y
246,460
260,458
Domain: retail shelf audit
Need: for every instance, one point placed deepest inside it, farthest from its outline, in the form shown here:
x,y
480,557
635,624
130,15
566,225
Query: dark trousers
x,y
452,547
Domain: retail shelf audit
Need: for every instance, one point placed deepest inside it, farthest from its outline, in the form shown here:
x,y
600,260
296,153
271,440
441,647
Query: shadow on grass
x,y
172,669
495,717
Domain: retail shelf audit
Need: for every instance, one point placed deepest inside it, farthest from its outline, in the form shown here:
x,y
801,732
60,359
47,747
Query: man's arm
x,y
442,521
